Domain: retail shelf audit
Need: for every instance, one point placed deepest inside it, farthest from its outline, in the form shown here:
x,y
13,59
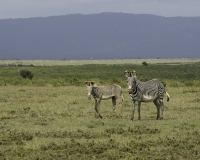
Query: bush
x,y
145,63
26,74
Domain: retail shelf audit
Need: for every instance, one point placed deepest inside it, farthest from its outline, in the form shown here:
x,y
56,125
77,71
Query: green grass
x,y
59,123
172,75
50,117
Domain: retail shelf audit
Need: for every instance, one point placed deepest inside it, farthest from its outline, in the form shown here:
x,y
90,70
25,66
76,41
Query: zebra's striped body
x,y
149,91
99,93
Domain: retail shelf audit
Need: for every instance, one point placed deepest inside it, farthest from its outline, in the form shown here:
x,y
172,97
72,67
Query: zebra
x,y
152,90
99,93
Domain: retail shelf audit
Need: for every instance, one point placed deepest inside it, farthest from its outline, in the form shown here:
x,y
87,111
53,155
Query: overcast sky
x,y
45,8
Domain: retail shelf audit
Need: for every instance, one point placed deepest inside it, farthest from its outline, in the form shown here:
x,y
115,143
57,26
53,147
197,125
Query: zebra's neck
x,y
95,92
134,92
138,88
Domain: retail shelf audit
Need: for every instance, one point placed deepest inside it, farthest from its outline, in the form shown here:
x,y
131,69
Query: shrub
x,y
145,63
26,74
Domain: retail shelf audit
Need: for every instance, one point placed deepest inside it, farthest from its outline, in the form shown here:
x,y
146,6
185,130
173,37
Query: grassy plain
x,y
93,61
59,123
50,121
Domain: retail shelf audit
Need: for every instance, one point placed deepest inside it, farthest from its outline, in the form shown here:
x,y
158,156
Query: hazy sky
x,y
45,8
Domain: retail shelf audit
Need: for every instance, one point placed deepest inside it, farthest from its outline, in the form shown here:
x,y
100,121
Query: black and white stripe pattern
x,y
99,93
149,91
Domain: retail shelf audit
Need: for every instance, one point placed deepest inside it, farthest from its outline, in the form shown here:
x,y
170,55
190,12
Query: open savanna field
x,y
50,117
93,61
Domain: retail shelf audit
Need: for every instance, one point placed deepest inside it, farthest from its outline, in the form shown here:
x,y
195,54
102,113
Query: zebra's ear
x,y
126,73
87,83
133,74
92,83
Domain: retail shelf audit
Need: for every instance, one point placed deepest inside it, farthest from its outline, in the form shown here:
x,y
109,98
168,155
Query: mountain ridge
x,y
100,36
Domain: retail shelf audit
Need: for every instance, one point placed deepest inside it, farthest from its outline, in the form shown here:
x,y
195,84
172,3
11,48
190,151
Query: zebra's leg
x,y
156,102
97,106
133,108
161,108
114,105
139,104
121,106
119,103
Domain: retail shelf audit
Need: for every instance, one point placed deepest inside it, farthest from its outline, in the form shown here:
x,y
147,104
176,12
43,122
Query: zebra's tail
x,y
122,97
168,96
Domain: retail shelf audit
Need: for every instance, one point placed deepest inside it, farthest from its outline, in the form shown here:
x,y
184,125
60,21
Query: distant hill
x,y
100,36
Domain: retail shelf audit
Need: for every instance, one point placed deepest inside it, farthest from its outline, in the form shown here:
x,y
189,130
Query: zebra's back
x,y
148,91
108,91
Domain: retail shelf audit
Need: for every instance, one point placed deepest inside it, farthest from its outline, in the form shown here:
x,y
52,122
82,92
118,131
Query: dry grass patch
x,y
59,123
101,61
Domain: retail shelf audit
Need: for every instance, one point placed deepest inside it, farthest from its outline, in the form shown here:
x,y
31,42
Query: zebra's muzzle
x,y
130,90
